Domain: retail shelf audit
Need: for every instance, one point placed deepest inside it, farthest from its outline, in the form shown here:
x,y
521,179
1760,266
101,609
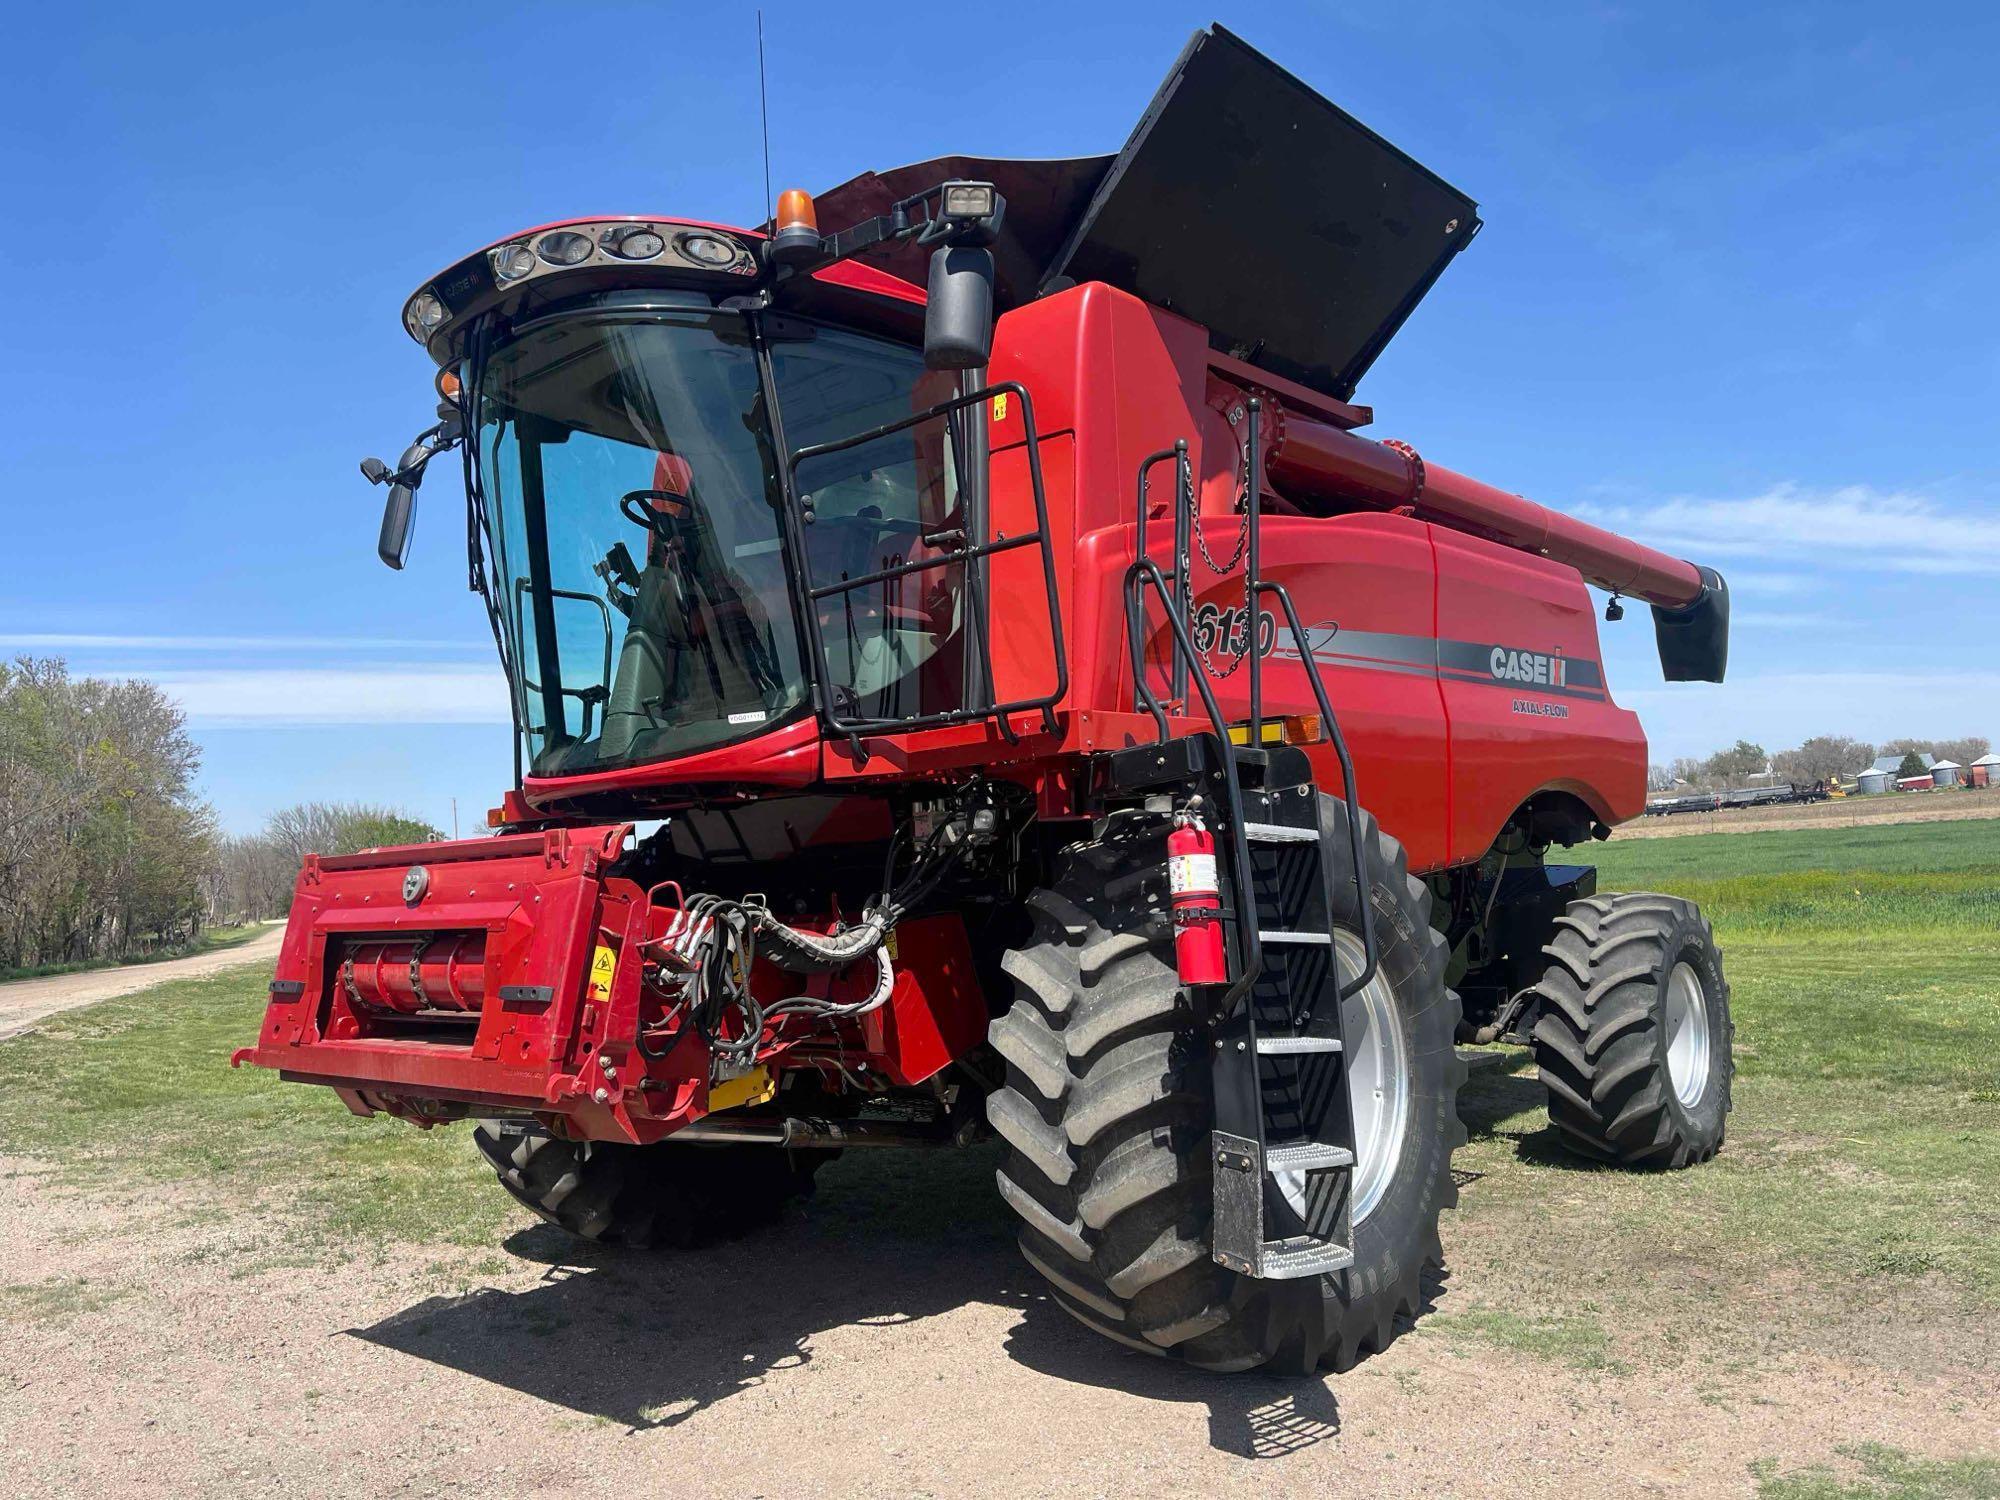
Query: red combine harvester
x,y
969,673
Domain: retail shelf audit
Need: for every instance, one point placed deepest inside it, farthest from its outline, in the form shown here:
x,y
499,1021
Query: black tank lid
x,y
1244,200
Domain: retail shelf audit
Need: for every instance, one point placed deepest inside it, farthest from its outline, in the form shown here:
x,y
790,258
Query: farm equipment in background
x,y
1778,794
970,674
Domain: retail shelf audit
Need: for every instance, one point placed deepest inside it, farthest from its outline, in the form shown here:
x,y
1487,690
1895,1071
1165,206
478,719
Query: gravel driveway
x,y
868,1347
23,1002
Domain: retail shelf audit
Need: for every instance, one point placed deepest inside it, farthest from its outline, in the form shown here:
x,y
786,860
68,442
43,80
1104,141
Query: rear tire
x,y
1108,1111
681,1196
1633,1037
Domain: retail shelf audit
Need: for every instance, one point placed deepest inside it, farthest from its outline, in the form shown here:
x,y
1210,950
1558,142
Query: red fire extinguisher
x,y
1197,902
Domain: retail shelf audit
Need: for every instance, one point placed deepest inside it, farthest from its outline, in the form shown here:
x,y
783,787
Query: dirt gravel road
x,y
23,1002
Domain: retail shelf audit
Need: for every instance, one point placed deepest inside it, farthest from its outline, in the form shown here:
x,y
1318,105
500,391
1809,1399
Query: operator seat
x,y
697,644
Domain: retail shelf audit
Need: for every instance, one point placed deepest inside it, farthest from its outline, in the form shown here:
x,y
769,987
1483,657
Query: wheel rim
x,y
1378,1076
1378,1084
1687,1034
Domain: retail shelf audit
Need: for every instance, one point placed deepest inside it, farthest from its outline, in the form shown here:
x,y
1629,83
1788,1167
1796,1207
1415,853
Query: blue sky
x,y
1736,294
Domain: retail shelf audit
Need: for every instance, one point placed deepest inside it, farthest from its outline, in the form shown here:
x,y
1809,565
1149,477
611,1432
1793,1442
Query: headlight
x,y
423,315
707,249
563,247
631,241
511,262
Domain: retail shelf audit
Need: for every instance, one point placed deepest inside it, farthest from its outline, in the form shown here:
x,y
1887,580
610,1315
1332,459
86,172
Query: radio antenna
x,y
764,112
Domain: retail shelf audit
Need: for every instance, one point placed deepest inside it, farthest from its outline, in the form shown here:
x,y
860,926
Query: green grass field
x,y
1860,1171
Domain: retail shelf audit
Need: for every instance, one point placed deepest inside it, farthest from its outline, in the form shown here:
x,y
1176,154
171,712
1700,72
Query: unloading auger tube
x,y
1316,459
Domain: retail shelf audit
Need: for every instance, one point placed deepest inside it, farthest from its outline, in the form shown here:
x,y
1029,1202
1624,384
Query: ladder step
x,y
1304,939
1307,1156
1287,1260
1278,833
1296,1046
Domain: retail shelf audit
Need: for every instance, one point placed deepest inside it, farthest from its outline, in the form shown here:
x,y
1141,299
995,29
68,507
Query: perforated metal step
x,y
1306,1156
1296,1046
1288,1260
1279,833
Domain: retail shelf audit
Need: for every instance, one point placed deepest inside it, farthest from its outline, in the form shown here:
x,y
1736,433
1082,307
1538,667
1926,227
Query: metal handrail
x,y
1144,571
1255,585
962,558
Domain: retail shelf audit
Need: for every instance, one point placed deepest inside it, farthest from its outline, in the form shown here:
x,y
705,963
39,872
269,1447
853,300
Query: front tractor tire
x,y
671,1195
1108,1110
1633,1037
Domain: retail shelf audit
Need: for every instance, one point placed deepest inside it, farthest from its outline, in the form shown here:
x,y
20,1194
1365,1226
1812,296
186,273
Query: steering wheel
x,y
637,507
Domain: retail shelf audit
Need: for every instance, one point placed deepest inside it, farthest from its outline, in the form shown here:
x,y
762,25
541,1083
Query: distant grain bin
x,y
1946,773
1985,771
1873,781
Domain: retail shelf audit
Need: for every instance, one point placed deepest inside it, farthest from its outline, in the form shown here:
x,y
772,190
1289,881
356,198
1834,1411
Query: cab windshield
x,y
634,517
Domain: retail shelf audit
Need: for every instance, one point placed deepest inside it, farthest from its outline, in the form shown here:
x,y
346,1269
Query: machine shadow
x,y
1503,1100
651,1339
893,1237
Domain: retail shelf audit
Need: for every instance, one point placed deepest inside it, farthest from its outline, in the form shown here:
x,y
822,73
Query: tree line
x,y
106,851
1821,758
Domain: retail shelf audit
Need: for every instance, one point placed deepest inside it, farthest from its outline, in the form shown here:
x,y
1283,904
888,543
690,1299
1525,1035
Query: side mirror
x,y
399,511
958,316
399,514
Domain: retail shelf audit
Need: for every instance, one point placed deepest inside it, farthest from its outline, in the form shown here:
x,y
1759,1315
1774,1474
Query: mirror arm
x,y
399,512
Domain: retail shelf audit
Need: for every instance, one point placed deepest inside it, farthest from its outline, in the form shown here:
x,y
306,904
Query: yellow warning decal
x,y
1000,407
753,1087
889,942
603,968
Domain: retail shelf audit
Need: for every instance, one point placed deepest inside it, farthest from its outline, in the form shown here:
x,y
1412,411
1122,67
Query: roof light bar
x,y
592,245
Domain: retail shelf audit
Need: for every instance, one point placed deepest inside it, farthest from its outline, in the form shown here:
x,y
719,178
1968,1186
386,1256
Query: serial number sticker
x,y
1000,407
758,716
603,968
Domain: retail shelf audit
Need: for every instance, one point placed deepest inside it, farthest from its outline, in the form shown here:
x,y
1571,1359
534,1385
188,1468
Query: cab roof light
x,y
795,238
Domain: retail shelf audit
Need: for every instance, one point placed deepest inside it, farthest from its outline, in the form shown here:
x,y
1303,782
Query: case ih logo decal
x,y
1527,666
1479,662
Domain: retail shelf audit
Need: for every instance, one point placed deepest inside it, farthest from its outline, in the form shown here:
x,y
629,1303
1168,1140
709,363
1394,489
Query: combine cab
x,y
971,676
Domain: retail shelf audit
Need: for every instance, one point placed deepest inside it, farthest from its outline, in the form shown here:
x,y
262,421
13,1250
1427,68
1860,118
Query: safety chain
x,y
1235,415
1242,499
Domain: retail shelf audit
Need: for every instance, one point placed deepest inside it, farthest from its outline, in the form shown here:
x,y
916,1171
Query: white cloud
x,y
1847,526
394,693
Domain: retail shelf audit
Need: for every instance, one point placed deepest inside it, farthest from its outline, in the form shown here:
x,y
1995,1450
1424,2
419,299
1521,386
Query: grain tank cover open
x,y
1243,200
1246,201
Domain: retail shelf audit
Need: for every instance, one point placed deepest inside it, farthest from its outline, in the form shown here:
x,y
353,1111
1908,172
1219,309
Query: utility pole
x,y
454,818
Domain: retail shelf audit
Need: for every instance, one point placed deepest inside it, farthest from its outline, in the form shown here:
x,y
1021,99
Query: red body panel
x,y
1401,611
1510,737
1442,760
